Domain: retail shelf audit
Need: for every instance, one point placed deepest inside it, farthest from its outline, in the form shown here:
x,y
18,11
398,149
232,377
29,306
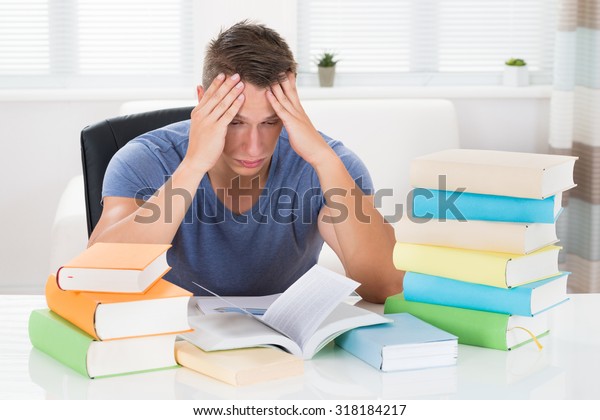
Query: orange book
x,y
162,309
115,267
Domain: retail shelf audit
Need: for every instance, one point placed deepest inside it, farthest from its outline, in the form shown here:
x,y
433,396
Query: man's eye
x,y
234,123
271,122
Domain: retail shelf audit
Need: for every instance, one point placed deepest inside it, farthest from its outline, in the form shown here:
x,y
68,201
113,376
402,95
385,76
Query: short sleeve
x,y
355,166
134,172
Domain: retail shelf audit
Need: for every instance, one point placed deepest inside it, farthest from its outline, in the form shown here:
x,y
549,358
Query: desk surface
x,y
567,368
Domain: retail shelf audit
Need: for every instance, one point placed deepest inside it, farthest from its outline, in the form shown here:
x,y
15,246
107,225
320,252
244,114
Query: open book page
x,y
256,305
228,304
224,331
300,310
343,318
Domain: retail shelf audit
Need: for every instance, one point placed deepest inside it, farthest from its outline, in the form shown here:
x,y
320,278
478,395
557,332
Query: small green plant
x,y
517,62
327,59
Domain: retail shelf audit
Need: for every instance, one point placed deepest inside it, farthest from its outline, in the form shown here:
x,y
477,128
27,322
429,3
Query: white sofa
x,y
385,133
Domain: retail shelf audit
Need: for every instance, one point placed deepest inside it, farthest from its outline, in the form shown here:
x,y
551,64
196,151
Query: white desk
x,y
567,368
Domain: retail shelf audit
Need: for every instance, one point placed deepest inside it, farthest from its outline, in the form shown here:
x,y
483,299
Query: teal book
x,y
73,347
454,205
525,300
405,344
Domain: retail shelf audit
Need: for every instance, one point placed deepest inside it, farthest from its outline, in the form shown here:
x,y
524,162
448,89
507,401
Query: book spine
x,y
468,206
475,328
477,235
448,292
72,306
366,351
186,357
477,178
466,265
59,339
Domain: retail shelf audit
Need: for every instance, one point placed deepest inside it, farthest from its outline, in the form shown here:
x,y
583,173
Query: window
x,y
96,43
427,42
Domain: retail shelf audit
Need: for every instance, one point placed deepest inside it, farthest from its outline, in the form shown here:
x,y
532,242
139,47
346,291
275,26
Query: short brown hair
x,y
257,53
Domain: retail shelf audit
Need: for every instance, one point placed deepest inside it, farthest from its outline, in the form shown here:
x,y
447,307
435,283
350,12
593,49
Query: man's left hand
x,y
304,138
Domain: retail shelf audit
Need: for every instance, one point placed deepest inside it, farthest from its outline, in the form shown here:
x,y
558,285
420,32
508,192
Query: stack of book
x,y
478,249
110,312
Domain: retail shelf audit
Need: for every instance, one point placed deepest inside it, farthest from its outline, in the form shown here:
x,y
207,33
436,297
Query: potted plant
x,y
515,72
326,63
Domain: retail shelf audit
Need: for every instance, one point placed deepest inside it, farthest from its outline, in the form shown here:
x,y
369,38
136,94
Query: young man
x,y
247,189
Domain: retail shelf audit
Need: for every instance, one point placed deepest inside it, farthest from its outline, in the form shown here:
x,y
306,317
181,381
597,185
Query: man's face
x,y
252,135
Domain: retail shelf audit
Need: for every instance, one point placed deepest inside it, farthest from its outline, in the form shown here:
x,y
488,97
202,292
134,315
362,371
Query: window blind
x,y
367,36
95,43
24,40
445,41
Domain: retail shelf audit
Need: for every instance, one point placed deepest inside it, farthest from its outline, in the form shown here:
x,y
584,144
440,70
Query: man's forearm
x,y
157,219
366,247
365,239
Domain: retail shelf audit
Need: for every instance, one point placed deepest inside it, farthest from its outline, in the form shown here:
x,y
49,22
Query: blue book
x,y
405,344
525,300
441,204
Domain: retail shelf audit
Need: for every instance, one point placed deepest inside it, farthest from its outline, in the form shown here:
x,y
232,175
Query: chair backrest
x,y
100,141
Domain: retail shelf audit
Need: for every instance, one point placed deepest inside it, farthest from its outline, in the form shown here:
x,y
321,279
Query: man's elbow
x,y
379,291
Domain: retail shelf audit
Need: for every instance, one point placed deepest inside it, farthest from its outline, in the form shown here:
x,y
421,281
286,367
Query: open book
x,y
307,316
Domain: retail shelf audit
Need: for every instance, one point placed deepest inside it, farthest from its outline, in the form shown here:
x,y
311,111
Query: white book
x,y
507,237
307,316
494,172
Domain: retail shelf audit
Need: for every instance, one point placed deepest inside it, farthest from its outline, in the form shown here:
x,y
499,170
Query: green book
x,y
475,328
73,347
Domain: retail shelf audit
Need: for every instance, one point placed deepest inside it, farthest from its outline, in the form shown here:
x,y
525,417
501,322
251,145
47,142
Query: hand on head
x,y
217,106
304,138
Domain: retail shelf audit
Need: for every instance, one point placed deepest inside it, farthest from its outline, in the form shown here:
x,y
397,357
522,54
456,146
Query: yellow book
x,y
483,267
239,367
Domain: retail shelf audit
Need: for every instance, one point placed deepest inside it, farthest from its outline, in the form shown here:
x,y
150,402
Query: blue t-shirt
x,y
259,252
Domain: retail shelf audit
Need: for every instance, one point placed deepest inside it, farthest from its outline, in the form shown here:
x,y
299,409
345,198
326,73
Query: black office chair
x,y
100,141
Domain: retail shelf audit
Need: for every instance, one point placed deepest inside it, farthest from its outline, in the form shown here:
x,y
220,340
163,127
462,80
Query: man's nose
x,y
253,143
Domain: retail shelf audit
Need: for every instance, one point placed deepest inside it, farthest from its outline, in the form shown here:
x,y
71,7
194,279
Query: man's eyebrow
x,y
270,117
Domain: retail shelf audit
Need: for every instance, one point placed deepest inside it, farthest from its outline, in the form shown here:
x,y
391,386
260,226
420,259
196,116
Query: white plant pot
x,y
326,76
516,76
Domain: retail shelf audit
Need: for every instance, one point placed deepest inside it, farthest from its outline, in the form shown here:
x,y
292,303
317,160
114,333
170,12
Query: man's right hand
x,y
120,219
209,120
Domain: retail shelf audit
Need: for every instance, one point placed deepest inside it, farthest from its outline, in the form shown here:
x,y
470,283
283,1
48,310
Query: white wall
x,y
515,124
40,153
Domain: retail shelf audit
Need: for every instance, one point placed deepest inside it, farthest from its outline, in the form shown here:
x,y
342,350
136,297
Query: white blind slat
x,y
427,36
24,46
72,43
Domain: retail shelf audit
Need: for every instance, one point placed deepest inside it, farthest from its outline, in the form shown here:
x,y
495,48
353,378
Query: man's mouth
x,y
250,163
